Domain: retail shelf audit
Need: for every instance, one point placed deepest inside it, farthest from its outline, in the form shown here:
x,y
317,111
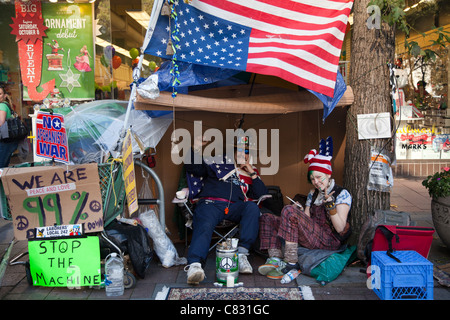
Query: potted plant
x,y
438,186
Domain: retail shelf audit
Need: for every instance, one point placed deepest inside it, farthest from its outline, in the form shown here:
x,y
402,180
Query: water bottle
x,y
114,275
291,275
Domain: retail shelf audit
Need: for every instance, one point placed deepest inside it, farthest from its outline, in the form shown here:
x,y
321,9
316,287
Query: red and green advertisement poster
x,y
56,49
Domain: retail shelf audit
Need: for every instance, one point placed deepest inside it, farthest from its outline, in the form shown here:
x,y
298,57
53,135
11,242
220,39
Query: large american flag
x,y
297,40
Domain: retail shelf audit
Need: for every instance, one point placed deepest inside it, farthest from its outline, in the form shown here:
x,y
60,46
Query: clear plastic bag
x,y
149,87
162,245
381,177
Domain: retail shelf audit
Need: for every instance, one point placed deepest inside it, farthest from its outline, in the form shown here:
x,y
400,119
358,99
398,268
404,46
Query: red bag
x,y
391,238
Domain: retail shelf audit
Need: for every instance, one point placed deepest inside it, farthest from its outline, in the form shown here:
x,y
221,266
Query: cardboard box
x,y
53,195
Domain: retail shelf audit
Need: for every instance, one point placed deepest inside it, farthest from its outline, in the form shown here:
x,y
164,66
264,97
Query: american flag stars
x,y
206,40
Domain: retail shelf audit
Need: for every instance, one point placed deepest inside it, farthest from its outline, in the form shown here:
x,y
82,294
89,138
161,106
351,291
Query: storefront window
x,y
423,117
9,62
86,50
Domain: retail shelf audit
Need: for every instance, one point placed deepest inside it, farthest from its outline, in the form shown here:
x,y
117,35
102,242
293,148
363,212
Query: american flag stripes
x,y
297,40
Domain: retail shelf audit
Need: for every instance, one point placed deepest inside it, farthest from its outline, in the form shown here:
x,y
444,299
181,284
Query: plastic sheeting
x,y
162,245
94,128
330,102
191,75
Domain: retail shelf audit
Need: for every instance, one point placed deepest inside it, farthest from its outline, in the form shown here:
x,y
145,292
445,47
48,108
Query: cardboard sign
x,y
51,137
64,263
128,174
53,195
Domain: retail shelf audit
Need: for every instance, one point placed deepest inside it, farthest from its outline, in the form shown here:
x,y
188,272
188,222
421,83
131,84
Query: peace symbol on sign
x,y
226,263
22,224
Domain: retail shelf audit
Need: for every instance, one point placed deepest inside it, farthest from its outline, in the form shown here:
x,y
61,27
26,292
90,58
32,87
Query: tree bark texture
x,y
371,50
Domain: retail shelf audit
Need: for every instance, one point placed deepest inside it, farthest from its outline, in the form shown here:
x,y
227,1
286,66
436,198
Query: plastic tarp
x,y
193,75
330,102
94,128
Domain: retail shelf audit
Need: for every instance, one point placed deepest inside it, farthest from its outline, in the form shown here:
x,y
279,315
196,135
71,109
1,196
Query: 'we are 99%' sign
x,y
53,195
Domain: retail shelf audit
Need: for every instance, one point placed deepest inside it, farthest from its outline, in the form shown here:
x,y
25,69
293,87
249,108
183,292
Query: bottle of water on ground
x,y
291,275
114,275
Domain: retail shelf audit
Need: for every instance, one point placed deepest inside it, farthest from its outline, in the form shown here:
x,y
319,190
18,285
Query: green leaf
x,y
415,49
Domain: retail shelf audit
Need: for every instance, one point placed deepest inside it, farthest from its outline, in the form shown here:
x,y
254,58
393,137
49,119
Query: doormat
x,y
239,293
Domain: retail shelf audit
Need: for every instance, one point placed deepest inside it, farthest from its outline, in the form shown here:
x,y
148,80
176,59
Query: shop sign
x,y
29,28
72,262
53,195
56,48
68,55
51,137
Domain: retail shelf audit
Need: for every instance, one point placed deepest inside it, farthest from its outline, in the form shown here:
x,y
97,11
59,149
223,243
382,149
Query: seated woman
x,y
323,224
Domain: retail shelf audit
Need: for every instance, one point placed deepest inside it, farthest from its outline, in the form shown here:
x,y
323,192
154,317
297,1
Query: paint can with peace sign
x,y
227,263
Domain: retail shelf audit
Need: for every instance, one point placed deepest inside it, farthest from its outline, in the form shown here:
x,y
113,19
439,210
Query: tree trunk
x,y
371,50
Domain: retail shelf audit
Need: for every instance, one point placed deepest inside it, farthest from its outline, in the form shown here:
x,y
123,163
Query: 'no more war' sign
x,y
51,137
48,195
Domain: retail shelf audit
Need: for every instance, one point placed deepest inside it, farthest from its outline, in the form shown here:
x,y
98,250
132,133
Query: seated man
x,y
224,196
323,224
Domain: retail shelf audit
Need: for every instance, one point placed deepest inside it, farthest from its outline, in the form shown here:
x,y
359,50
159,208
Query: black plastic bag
x,y
133,240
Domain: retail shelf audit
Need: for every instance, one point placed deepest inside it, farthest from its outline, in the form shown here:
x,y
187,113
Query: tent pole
x,y
137,71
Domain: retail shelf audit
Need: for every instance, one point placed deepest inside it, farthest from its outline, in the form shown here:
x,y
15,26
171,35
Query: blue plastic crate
x,y
411,279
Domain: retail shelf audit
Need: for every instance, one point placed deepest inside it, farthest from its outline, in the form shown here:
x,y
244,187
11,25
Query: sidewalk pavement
x,y
408,195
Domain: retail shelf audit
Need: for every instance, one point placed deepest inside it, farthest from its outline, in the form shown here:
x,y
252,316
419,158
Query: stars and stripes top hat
x,y
321,161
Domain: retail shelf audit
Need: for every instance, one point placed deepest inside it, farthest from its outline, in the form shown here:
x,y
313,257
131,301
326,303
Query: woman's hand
x,y
328,197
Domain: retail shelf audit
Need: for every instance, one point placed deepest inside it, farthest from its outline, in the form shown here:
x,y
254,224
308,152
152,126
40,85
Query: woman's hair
x,y
3,87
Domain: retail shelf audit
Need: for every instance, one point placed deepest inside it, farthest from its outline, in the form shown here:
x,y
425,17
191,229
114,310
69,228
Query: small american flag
x,y
224,171
297,40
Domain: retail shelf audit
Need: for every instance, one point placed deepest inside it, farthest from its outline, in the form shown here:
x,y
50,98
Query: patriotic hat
x,y
321,161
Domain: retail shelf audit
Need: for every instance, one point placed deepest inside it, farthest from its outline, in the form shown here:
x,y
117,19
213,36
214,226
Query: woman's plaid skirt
x,y
295,226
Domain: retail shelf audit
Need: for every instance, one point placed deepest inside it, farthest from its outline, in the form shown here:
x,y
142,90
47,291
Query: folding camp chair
x,y
186,198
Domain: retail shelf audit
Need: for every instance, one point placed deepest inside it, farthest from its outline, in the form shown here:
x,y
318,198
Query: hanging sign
x,y
51,137
72,262
68,54
56,46
29,29
129,174
53,195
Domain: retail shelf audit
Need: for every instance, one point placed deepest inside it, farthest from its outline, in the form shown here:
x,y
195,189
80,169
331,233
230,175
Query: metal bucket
x,y
227,264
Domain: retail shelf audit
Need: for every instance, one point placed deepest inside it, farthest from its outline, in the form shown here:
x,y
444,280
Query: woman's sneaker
x,y
275,274
278,273
270,265
195,273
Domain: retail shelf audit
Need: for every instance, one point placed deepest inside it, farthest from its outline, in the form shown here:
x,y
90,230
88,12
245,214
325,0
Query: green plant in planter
x,y
438,184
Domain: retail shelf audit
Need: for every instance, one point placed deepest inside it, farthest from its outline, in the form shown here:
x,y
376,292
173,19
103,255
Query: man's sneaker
x,y
270,265
195,273
244,265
